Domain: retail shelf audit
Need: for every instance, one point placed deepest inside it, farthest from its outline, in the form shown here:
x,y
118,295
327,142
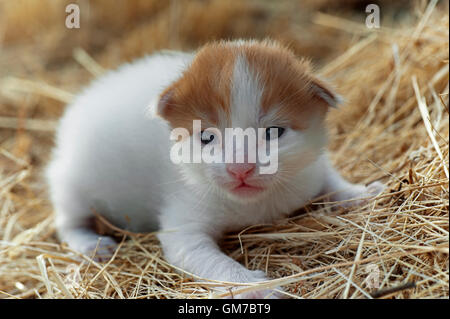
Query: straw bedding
x,y
393,127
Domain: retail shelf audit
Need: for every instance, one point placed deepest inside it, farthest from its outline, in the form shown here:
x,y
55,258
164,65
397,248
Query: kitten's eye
x,y
274,132
206,137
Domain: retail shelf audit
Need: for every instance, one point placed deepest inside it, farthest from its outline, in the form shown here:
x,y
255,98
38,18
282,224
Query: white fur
x,y
111,157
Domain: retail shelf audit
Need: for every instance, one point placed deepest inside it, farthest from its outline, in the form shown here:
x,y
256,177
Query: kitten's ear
x,y
160,105
324,92
164,102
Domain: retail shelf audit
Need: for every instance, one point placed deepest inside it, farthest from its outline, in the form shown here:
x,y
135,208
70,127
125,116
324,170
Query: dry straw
x,y
393,128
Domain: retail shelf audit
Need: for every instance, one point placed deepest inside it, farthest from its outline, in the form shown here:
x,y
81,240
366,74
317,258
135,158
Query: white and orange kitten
x,y
111,156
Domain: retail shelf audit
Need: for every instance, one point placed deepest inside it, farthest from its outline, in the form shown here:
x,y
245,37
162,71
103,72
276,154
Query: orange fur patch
x,y
203,91
287,83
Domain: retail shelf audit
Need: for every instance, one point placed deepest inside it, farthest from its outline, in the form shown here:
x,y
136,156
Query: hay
x,y
394,128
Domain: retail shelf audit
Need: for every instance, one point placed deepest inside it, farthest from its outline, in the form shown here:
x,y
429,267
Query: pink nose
x,y
240,170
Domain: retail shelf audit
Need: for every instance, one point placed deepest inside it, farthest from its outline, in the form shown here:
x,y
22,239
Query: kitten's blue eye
x,y
274,132
206,137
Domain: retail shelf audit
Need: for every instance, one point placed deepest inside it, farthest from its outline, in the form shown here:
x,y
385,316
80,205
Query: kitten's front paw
x,y
260,294
375,188
104,250
257,276
359,195
103,247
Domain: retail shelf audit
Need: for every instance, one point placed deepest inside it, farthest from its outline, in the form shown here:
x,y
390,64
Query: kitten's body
x,y
107,153
113,158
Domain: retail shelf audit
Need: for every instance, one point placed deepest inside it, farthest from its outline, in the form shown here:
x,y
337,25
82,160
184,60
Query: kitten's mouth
x,y
245,189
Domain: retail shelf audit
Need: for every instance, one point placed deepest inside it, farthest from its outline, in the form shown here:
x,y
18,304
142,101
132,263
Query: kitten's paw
x,y
359,195
375,188
260,294
257,276
103,246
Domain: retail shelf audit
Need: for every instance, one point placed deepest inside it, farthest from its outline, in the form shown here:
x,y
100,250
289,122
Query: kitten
x,y
111,156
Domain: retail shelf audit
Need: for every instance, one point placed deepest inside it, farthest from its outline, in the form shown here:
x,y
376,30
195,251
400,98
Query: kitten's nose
x,y
240,170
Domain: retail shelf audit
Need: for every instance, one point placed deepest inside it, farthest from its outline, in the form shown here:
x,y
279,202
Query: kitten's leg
x,y
192,247
74,224
341,190
81,238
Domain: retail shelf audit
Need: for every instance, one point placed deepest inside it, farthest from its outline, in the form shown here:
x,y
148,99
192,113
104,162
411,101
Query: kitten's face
x,y
250,181
264,90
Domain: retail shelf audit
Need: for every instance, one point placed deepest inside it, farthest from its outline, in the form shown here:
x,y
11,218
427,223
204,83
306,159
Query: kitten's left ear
x,y
152,109
324,92
160,105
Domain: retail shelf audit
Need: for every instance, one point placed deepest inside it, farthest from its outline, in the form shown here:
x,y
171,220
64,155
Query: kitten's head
x,y
261,88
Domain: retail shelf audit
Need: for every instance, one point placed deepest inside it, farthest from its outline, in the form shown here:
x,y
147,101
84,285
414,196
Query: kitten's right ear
x,y
160,105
